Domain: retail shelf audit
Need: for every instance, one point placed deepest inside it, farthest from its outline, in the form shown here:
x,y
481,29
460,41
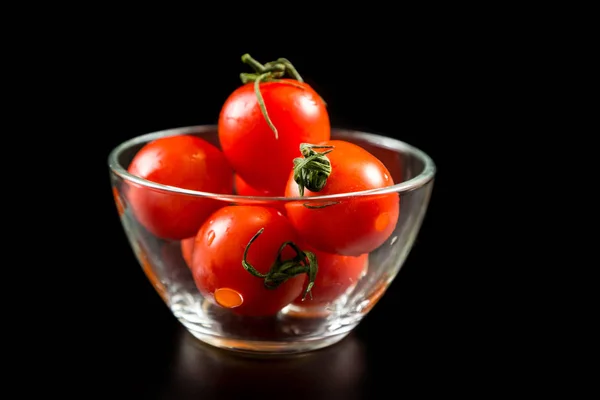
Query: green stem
x,y
304,262
247,266
247,59
291,69
261,104
270,72
312,171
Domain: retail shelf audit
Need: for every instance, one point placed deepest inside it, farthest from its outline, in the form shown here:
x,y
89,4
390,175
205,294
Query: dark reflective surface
x,y
199,370
149,355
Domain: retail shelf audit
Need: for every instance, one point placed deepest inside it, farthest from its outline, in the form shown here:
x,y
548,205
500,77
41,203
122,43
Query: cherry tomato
x,y
254,234
187,247
351,226
256,154
186,162
336,275
243,189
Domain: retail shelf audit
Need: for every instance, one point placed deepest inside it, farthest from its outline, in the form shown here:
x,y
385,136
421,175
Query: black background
x,y
422,86
485,89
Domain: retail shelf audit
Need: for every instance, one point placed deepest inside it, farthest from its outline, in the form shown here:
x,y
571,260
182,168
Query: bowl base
x,y
269,348
293,330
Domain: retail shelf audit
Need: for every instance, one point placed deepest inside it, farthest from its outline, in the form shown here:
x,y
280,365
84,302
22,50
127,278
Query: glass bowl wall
x,y
295,328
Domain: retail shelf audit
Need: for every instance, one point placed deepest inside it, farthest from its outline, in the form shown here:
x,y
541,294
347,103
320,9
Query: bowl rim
x,y
418,181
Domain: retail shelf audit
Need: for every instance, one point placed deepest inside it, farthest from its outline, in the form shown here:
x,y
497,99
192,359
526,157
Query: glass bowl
x,y
301,325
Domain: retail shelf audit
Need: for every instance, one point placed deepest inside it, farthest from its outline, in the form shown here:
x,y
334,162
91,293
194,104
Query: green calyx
x,y
312,171
273,71
304,262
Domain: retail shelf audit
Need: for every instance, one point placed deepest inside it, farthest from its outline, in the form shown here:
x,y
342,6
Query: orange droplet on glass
x,y
382,221
228,298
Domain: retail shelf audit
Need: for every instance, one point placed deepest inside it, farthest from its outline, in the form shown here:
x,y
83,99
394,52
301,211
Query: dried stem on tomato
x,y
304,262
312,171
272,71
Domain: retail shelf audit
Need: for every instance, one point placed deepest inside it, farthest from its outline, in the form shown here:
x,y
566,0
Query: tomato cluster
x,y
275,141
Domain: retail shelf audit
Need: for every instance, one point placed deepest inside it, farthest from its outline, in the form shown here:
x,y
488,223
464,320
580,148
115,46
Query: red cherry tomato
x,y
217,260
257,155
336,275
243,189
352,226
186,162
187,247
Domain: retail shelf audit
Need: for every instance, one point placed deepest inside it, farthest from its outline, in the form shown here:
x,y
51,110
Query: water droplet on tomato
x,y
382,221
228,298
210,237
